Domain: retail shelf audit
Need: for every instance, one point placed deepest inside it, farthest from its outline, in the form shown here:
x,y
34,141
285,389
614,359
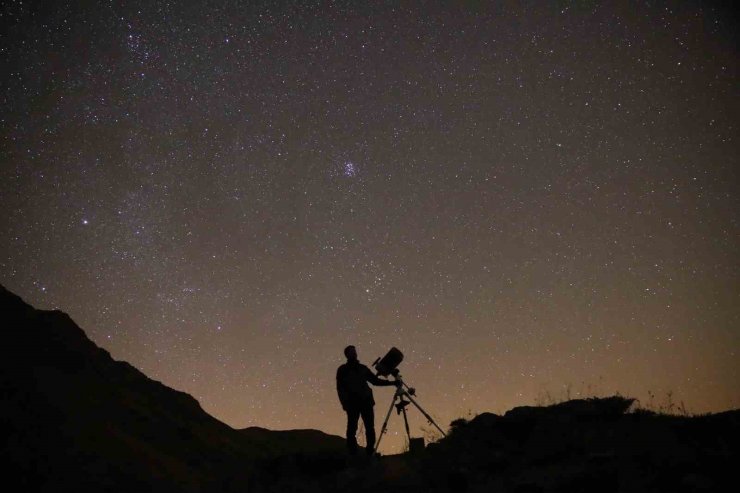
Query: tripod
x,y
403,392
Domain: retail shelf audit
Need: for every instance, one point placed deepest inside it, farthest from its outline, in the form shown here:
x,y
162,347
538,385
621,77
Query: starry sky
x,y
530,200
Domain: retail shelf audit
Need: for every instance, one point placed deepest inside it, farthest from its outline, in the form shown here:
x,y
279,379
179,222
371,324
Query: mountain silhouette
x,y
587,445
280,442
73,418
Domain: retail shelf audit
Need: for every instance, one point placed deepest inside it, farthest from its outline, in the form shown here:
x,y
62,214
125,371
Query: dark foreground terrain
x,y
73,419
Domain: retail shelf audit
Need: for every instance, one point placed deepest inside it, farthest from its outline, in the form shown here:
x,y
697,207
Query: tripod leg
x,y
426,415
385,423
406,422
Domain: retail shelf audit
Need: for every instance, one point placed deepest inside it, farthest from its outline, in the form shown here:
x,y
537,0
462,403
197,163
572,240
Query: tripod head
x,y
401,386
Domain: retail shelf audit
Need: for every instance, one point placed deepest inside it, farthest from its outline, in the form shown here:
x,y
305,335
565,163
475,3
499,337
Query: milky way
x,y
531,202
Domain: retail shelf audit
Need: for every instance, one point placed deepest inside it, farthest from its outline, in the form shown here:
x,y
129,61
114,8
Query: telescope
x,y
388,365
404,395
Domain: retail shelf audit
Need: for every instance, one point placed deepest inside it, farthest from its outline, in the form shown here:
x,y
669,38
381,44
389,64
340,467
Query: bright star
x,y
349,169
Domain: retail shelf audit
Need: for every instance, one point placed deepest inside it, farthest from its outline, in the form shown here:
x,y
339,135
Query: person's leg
x,y
353,416
368,418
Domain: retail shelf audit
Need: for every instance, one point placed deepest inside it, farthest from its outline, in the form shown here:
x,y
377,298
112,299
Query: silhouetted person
x,y
357,398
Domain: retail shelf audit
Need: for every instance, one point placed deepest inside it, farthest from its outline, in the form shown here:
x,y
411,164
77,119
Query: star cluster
x,y
527,200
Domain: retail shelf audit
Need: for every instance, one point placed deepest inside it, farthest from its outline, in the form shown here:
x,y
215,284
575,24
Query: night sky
x,y
524,199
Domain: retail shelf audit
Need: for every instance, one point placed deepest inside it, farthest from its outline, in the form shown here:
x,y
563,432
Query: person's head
x,y
351,353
